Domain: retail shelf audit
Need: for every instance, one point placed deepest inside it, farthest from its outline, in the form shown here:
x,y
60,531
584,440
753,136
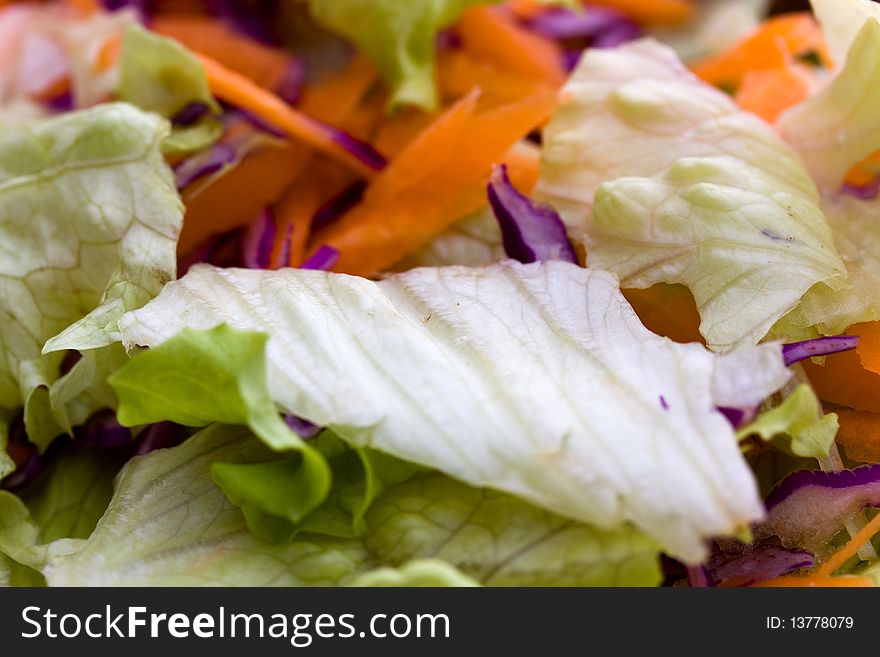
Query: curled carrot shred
x,y
234,88
850,549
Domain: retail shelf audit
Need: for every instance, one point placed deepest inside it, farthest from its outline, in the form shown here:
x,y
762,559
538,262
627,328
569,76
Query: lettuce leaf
x,y
169,525
838,127
89,219
712,198
442,367
841,21
399,38
797,425
159,75
419,572
201,377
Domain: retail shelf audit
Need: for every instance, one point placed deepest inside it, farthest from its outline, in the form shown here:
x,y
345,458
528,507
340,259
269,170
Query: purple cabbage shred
x,y
258,241
530,232
203,164
322,259
798,351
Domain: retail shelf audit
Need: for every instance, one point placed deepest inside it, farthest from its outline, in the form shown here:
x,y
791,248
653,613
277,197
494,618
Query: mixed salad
x,y
439,292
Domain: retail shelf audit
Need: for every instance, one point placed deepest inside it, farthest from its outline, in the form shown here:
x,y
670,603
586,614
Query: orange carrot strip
x,y
771,46
490,34
850,549
868,348
109,53
262,64
240,194
652,12
859,434
769,93
240,91
334,98
668,310
525,8
430,150
815,581
523,167
844,381
371,238
296,208
865,172
86,7
458,73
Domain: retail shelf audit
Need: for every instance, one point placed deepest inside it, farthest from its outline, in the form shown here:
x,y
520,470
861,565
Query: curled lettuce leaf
x,y
159,75
841,21
666,180
838,127
168,524
442,367
797,425
89,219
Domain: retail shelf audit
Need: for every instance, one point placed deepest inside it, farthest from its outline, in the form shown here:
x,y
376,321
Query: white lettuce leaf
x,y
841,21
89,219
666,180
839,126
168,524
537,380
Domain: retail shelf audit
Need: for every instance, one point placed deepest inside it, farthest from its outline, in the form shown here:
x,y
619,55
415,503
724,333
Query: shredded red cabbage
x,y
305,429
531,232
258,241
324,258
798,351
866,193
758,564
190,114
809,507
250,19
290,87
339,204
738,417
202,164
601,27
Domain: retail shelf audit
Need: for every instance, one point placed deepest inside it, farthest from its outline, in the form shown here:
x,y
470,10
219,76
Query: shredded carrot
x,y
850,549
240,194
430,150
493,35
109,53
769,93
816,581
667,310
264,65
652,12
295,209
334,98
868,348
526,8
771,46
240,91
865,172
458,72
523,166
842,380
370,238
859,433
86,7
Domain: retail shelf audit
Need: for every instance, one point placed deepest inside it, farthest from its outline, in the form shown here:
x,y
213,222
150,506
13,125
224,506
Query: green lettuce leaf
x,y
169,525
712,198
797,425
442,367
89,219
419,572
160,75
838,127
71,496
201,377
399,38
